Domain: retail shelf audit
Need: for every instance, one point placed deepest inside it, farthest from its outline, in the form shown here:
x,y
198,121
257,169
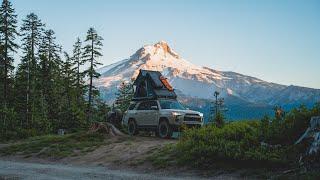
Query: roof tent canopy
x,y
152,85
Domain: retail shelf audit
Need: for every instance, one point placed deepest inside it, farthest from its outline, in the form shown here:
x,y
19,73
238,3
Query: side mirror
x,y
154,107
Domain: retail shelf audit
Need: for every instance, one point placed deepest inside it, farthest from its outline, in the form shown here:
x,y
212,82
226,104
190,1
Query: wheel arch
x,y
163,119
132,119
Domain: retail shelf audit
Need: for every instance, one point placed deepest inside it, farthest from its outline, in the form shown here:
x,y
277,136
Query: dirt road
x,y
19,170
119,158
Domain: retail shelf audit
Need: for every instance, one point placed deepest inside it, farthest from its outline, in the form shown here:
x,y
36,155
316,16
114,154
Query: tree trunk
x,y
78,81
90,85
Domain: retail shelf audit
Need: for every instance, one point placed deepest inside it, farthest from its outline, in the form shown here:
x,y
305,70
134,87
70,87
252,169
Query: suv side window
x,y
143,106
147,105
153,103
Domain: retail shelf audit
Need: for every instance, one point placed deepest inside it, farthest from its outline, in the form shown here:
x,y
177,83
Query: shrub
x,y
55,146
239,143
235,142
287,130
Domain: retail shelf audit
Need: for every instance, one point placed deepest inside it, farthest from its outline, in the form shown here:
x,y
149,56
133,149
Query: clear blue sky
x,y
275,40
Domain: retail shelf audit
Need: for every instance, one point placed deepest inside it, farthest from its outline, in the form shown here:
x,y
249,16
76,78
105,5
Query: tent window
x,y
149,89
141,90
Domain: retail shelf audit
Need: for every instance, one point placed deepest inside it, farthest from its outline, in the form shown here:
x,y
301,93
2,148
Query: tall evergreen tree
x,y
217,109
49,77
68,76
1,70
31,30
73,105
78,62
124,95
91,54
8,33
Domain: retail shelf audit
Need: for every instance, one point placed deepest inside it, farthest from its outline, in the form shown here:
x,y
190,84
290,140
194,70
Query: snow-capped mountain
x,y
198,82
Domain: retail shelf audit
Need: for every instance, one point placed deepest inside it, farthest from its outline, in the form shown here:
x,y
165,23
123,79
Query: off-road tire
x,y
156,133
132,127
164,130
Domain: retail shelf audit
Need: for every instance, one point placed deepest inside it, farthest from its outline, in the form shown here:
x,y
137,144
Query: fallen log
x,y
105,128
115,130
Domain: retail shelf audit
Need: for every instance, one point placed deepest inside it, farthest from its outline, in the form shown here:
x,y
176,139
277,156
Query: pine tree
x,y
78,62
124,95
1,70
73,105
91,54
8,33
31,30
2,74
101,111
67,93
216,108
78,108
49,76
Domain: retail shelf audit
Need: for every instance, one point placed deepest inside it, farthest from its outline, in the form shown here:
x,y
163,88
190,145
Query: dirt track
x,y
122,157
19,170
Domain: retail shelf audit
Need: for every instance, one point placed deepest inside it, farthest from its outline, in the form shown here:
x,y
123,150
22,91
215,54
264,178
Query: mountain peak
x,y
160,48
163,44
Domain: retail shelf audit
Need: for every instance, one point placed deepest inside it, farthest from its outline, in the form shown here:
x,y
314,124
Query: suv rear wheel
x,y
132,127
164,129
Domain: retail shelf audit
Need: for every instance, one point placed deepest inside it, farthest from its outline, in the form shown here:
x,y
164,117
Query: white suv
x,y
162,116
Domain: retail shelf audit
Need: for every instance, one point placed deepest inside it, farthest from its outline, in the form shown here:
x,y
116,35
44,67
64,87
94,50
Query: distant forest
x,y
47,90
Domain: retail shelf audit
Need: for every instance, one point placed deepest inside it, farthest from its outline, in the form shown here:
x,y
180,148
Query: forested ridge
x,y
48,89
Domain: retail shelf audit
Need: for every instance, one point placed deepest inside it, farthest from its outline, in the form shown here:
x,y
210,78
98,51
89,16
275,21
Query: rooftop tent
x,y
151,85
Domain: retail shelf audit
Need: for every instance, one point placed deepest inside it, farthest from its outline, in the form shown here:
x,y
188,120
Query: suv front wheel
x,y
164,129
132,127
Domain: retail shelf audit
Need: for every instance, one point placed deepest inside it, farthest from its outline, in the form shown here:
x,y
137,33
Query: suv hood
x,y
182,111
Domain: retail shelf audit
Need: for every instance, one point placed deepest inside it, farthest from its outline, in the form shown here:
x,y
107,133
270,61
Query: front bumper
x,y
184,126
182,121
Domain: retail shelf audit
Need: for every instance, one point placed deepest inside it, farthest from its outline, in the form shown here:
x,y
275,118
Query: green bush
x,y
287,130
240,143
235,142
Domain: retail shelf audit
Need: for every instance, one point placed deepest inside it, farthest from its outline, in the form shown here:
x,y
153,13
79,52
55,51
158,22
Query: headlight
x,y
201,114
176,114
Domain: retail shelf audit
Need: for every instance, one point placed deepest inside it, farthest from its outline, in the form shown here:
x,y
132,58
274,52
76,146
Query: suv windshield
x,y
171,104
